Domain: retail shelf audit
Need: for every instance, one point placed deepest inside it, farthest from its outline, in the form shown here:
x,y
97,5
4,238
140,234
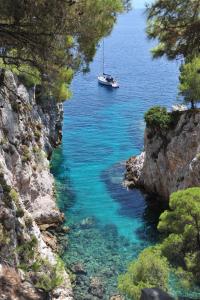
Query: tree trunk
x,y
192,104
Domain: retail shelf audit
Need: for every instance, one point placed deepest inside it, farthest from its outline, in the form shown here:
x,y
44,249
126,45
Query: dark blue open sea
x,y
102,128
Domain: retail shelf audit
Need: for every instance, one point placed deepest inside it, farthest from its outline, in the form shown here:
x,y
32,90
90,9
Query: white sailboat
x,y
106,79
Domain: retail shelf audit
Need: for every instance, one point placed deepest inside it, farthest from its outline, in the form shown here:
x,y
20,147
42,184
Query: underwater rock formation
x,y
155,294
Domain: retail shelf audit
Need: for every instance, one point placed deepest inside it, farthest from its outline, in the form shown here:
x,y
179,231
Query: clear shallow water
x,y
102,128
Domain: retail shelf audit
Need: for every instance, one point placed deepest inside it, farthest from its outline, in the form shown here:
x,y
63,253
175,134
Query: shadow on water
x,y
64,191
134,203
108,88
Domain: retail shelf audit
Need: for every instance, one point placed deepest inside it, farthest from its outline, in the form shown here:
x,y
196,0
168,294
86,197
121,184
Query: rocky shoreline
x,y
171,158
30,127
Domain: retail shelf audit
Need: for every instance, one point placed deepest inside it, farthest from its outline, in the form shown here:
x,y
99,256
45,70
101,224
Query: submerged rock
x,y
154,294
96,287
79,268
116,297
87,222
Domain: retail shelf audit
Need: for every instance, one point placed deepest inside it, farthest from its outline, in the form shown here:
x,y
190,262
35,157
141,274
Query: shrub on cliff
x,y
48,276
157,117
151,269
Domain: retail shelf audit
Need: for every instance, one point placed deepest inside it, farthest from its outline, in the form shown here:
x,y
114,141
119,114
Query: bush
x,y
37,134
26,155
16,107
27,252
190,81
151,269
181,224
50,276
14,196
158,118
4,236
28,221
19,213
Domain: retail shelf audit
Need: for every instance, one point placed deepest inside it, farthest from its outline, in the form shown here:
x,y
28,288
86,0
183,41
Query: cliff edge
x,y
171,157
29,129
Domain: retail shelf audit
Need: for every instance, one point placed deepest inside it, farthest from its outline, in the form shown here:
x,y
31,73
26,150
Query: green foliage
x,y
157,117
26,154
171,248
175,24
4,236
51,276
180,249
19,213
37,134
182,225
14,195
7,192
151,269
3,141
27,252
183,279
46,41
6,188
28,221
28,75
190,81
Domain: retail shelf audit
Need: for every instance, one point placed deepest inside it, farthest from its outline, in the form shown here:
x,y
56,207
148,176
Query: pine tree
x,y
176,25
49,40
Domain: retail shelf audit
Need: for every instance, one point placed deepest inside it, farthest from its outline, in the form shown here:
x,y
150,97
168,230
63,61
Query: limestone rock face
x,y
171,159
29,129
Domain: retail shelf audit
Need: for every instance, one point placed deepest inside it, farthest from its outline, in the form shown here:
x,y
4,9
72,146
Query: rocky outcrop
x,y
155,294
171,158
29,129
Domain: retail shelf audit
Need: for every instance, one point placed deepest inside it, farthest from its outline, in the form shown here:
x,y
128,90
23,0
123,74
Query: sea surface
x,y
102,128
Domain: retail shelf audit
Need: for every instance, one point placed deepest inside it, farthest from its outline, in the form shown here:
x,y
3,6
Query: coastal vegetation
x,y
149,270
190,81
178,253
176,25
157,117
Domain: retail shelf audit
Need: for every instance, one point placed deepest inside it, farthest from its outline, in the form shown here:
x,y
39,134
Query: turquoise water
x,y
102,128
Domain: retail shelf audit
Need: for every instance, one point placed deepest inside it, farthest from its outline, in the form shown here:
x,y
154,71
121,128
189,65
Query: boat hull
x,y
103,81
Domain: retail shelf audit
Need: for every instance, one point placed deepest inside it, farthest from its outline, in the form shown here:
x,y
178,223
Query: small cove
x,y
102,128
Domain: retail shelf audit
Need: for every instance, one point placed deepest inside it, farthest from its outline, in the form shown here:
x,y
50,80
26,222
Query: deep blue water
x,y
103,128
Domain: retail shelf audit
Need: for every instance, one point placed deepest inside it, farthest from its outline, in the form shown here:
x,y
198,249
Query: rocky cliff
x,y
29,129
171,158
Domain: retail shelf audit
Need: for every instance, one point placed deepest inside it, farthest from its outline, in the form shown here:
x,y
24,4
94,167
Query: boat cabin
x,y
109,78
